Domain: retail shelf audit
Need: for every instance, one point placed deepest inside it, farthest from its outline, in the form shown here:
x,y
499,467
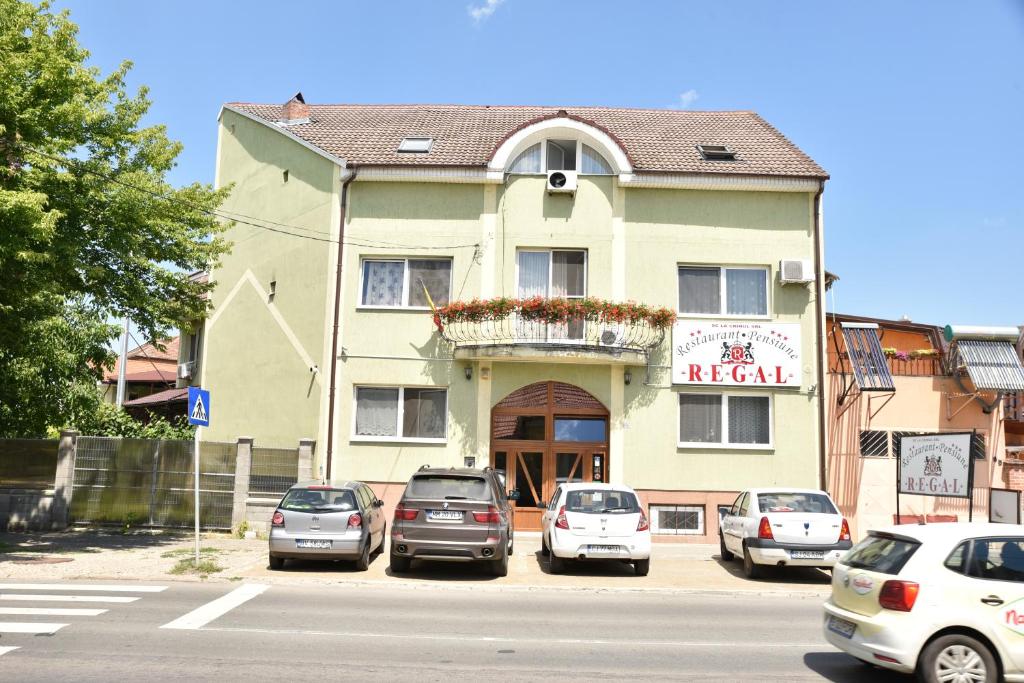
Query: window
x,y
978,446
677,520
440,486
716,153
592,163
561,155
528,161
881,554
997,559
723,291
580,428
732,420
397,413
398,283
744,505
874,442
782,501
415,145
551,274
601,501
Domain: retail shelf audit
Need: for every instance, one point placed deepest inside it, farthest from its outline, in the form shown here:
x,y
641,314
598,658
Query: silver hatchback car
x,y
317,521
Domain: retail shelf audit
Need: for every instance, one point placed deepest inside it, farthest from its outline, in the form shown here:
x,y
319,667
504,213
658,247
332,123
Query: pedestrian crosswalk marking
x,y
80,587
38,628
214,609
43,597
4,650
199,410
52,611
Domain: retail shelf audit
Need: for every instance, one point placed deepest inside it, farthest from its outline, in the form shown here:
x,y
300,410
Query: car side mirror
x,y
513,494
378,503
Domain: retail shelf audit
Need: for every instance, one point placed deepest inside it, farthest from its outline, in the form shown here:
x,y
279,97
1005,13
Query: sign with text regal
x,y
936,465
736,354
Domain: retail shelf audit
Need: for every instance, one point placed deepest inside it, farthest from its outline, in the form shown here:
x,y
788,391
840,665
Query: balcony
x,y
553,330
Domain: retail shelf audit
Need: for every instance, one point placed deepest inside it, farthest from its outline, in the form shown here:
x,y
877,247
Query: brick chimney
x,y
295,110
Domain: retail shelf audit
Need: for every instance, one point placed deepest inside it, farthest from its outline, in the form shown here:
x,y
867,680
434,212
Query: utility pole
x,y
123,363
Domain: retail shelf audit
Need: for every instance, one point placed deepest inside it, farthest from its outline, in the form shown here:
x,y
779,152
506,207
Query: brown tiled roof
x,y
168,396
655,140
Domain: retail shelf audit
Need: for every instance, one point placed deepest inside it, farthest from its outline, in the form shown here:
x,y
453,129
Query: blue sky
x,y
915,108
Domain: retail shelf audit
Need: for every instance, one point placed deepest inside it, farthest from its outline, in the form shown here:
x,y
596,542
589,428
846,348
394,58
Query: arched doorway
x,y
543,435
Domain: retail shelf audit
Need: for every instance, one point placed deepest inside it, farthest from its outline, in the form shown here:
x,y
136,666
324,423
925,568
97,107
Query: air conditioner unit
x,y
185,370
611,335
562,182
796,271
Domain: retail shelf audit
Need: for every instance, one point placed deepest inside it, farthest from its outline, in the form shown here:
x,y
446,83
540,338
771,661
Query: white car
x,y
591,521
783,527
944,600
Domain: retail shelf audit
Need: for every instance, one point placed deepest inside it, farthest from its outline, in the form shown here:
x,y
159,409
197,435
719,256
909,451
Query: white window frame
x,y
723,294
699,509
724,444
406,284
544,158
398,438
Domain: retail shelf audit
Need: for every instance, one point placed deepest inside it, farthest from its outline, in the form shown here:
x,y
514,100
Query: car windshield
x,y
882,554
601,501
320,500
448,488
795,502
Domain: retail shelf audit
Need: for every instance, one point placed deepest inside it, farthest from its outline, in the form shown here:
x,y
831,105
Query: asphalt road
x,y
252,632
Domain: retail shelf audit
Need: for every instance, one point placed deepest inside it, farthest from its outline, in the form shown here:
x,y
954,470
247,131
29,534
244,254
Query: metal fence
x,y
28,463
274,470
149,482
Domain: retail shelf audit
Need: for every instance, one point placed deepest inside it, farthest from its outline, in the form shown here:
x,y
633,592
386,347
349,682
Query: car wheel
x,y
276,562
750,568
500,567
957,657
511,543
641,567
400,564
556,564
725,552
363,562
544,549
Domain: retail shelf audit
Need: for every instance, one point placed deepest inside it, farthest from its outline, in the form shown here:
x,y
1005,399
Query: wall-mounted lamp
x,y
627,376
469,372
273,289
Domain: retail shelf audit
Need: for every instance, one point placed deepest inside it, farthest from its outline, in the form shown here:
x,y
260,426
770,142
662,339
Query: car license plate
x,y
447,515
312,543
807,554
602,549
841,626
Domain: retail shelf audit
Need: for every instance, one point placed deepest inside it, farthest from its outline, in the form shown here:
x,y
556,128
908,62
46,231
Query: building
x,y
148,370
888,379
554,220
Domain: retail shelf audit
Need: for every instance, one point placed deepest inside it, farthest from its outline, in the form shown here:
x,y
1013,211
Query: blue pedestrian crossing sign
x,y
198,406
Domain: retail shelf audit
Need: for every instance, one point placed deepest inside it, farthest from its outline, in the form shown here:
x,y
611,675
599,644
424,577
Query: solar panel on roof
x,y
992,365
864,350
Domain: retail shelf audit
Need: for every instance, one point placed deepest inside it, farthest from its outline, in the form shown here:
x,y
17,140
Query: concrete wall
x,y
25,509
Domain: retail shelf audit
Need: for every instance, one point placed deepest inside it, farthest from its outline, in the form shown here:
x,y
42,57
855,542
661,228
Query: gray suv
x,y
453,515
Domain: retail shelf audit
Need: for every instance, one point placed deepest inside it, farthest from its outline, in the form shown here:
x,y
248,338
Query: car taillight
x,y
764,529
404,513
898,595
278,519
561,522
644,525
489,517
355,520
844,531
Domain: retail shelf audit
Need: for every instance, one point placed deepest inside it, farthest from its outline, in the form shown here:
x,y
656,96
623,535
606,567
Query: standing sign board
x,y
736,354
198,415
936,465
1004,506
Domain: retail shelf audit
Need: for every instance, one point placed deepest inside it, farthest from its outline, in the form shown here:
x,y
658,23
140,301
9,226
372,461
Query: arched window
x,y
592,162
528,161
561,155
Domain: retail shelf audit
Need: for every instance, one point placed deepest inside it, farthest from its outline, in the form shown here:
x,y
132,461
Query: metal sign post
x,y
198,415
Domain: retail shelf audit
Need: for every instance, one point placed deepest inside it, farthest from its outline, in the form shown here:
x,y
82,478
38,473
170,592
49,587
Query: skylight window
x,y
416,145
716,153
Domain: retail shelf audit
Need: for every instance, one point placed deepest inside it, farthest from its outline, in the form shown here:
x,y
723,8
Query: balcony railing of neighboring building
x,y
1013,406
900,365
554,325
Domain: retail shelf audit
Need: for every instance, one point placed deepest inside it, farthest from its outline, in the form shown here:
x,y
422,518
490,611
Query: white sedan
x,y
591,521
943,600
783,527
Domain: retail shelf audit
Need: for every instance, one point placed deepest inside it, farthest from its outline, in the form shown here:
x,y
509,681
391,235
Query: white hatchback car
x,y
592,521
783,527
944,600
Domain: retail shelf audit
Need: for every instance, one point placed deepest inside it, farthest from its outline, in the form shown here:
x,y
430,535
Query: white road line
x,y
46,597
80,587
28,627
203,615
8,648
52,611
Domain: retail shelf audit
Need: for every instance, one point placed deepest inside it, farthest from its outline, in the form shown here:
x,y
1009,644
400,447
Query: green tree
x,y
89,226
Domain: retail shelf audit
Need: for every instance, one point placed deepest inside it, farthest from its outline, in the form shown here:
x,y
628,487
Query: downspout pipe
x,y
332,392
819,282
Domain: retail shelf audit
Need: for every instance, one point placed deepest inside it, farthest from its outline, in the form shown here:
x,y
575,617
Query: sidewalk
x,y
149,556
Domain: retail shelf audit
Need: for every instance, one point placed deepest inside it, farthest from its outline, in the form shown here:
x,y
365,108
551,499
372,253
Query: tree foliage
x,y
109,420
90,228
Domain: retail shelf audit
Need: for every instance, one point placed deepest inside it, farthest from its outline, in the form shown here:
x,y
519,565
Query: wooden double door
x,y
536,471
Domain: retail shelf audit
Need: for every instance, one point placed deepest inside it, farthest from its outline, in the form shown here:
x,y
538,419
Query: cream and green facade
x,y
473,218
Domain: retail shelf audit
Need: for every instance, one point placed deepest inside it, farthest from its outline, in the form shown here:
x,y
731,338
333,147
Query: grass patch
x,y
203,569
183,552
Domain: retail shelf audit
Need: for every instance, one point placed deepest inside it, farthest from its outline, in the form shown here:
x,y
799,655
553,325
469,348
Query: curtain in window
x,y
748,419
533,273
382,283
746,292
424,416
436,275
700,418
593,162
528,161
568,274
700,290
376,412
